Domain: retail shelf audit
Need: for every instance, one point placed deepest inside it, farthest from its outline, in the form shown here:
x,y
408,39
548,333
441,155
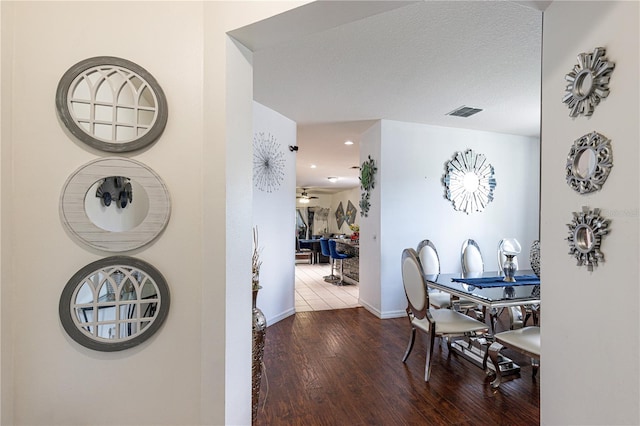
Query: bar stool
x,y
324,249
335,255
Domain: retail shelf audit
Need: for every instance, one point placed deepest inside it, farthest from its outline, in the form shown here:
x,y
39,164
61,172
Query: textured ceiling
x,y
414,63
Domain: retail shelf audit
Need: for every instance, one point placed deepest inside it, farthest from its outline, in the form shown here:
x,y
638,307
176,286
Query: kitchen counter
x,y
351,265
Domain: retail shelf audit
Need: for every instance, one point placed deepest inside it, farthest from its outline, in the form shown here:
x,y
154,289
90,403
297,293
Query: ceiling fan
x,y
305,197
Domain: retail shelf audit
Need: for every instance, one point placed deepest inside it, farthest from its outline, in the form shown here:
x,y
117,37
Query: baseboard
x,y
280,317
382,315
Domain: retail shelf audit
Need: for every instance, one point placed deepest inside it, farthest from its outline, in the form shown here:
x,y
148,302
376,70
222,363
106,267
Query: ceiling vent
x,y
464,111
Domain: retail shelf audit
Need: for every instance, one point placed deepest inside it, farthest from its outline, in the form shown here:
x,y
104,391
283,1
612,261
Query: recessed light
x,y
313,166
332,179
348,142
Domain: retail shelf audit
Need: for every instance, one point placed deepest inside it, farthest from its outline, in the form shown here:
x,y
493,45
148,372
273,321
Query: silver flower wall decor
x,y
589,162
469,181
585,236
588,82
268,162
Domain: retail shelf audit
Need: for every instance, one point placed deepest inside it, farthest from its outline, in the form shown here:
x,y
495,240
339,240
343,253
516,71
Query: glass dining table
x,y
489,290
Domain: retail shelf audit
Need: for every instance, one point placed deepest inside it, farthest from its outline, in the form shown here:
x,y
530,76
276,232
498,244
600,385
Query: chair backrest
x,y
415,287
324,247
428,256
502,257
471,257
333,251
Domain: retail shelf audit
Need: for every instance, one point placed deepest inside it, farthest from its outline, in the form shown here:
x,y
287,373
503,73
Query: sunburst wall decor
x,y
585,236
469,181
268,162
588,82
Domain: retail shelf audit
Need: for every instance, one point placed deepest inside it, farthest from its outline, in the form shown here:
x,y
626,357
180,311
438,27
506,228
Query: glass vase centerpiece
x,y
510,248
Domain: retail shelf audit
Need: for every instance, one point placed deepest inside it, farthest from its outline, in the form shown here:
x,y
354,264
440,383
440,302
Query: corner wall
x,y
274,216
590,320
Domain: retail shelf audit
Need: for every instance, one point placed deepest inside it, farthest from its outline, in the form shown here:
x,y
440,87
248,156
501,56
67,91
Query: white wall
x,y
590,330
413,206
274,216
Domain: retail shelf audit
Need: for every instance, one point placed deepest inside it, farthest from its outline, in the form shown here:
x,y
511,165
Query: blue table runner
x,y
487,282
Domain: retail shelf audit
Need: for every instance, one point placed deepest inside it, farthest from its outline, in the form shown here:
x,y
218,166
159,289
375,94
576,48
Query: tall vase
x,y
257,351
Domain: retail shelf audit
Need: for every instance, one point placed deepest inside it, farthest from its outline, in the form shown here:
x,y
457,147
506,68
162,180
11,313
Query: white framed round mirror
x,y
112,227
114,303
111,104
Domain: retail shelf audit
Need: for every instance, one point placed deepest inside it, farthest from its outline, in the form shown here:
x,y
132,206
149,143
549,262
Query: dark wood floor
x,y
344,367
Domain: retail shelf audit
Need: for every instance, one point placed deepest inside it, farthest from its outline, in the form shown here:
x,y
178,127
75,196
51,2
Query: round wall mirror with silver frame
x,y
111,104
589,162
585,236
110,226
469,181
114,303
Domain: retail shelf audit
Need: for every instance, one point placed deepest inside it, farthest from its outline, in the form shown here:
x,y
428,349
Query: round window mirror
x,y
585,163
111,104
114,303
584,238
116,204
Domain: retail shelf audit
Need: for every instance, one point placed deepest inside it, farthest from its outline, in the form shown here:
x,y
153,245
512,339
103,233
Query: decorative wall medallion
x,y
114,303
588,82
268,162
111,104
368,171
340,215
585,236
469,181
589,163
115,229
350,216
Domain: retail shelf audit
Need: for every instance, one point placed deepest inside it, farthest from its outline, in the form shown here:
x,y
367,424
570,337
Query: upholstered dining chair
x,y
433,322
471,258
430,261
524,340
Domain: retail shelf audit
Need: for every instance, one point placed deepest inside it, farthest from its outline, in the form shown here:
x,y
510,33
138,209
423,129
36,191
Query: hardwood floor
x,y
344,367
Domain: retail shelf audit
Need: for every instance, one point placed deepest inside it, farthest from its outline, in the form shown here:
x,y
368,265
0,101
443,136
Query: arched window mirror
x,y
111,104
114,303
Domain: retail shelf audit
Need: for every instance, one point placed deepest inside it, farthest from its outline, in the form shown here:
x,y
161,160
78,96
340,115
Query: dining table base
x,y
474,349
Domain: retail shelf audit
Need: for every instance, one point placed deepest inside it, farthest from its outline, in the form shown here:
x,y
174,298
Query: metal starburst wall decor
x,y
588,82
585,236
469,181
268,162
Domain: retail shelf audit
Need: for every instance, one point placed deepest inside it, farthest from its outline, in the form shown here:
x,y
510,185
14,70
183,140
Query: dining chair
x,y
430,261
471,258
473,266
434,322
524,340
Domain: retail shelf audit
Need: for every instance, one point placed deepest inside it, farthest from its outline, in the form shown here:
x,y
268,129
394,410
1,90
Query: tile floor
x,y
314,294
